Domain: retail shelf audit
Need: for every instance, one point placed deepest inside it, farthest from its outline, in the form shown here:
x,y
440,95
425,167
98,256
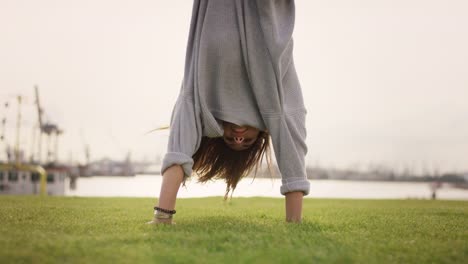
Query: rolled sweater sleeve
x,y
267,45
186,125
184,137
288,134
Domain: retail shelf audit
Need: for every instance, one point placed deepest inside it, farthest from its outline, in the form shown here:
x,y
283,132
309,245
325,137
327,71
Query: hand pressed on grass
x,y
156,221
161,216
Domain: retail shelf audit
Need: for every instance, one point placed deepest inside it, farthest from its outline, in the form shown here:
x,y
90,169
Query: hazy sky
x,y
385,81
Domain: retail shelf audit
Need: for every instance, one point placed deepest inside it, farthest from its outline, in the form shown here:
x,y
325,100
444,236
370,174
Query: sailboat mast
x,y
18,128
39,114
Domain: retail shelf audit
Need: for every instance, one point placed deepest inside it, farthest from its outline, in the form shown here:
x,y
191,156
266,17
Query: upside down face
x,y
239,137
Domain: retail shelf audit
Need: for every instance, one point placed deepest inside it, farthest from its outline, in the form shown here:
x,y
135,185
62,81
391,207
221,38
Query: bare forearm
x,y
172,178
294,206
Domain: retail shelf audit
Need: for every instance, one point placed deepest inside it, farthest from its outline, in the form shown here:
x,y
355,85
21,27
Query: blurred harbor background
x,y
385,84
148,186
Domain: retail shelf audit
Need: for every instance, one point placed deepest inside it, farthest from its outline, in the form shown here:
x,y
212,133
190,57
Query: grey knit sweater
x,y
239,68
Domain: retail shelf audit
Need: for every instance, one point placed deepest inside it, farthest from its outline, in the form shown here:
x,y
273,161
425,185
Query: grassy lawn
x,y
244,230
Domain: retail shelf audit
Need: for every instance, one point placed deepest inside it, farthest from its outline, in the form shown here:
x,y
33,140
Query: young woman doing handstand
x,y
240,91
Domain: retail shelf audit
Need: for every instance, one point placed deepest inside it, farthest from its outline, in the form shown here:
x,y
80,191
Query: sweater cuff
x,y
172,158
294,185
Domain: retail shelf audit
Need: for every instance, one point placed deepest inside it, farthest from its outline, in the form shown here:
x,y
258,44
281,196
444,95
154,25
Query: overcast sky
x,y
384,81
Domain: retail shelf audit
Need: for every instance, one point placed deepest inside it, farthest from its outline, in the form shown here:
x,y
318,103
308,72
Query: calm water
x,y
148,186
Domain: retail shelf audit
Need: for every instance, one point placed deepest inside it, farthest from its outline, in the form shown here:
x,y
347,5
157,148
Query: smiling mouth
x,y
239,131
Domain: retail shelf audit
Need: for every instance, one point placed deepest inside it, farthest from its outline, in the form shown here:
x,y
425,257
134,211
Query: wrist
x,y
161,218
162,215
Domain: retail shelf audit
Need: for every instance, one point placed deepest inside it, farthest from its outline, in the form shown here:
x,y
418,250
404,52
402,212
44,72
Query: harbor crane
x,y
52,132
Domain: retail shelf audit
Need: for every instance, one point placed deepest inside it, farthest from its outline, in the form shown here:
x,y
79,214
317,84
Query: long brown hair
x,y
215,160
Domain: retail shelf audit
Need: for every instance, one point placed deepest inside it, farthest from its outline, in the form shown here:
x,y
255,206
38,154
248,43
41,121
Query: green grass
x,y
245,230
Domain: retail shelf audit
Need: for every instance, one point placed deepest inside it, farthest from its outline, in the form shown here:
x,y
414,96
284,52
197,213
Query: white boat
x,y
24,179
